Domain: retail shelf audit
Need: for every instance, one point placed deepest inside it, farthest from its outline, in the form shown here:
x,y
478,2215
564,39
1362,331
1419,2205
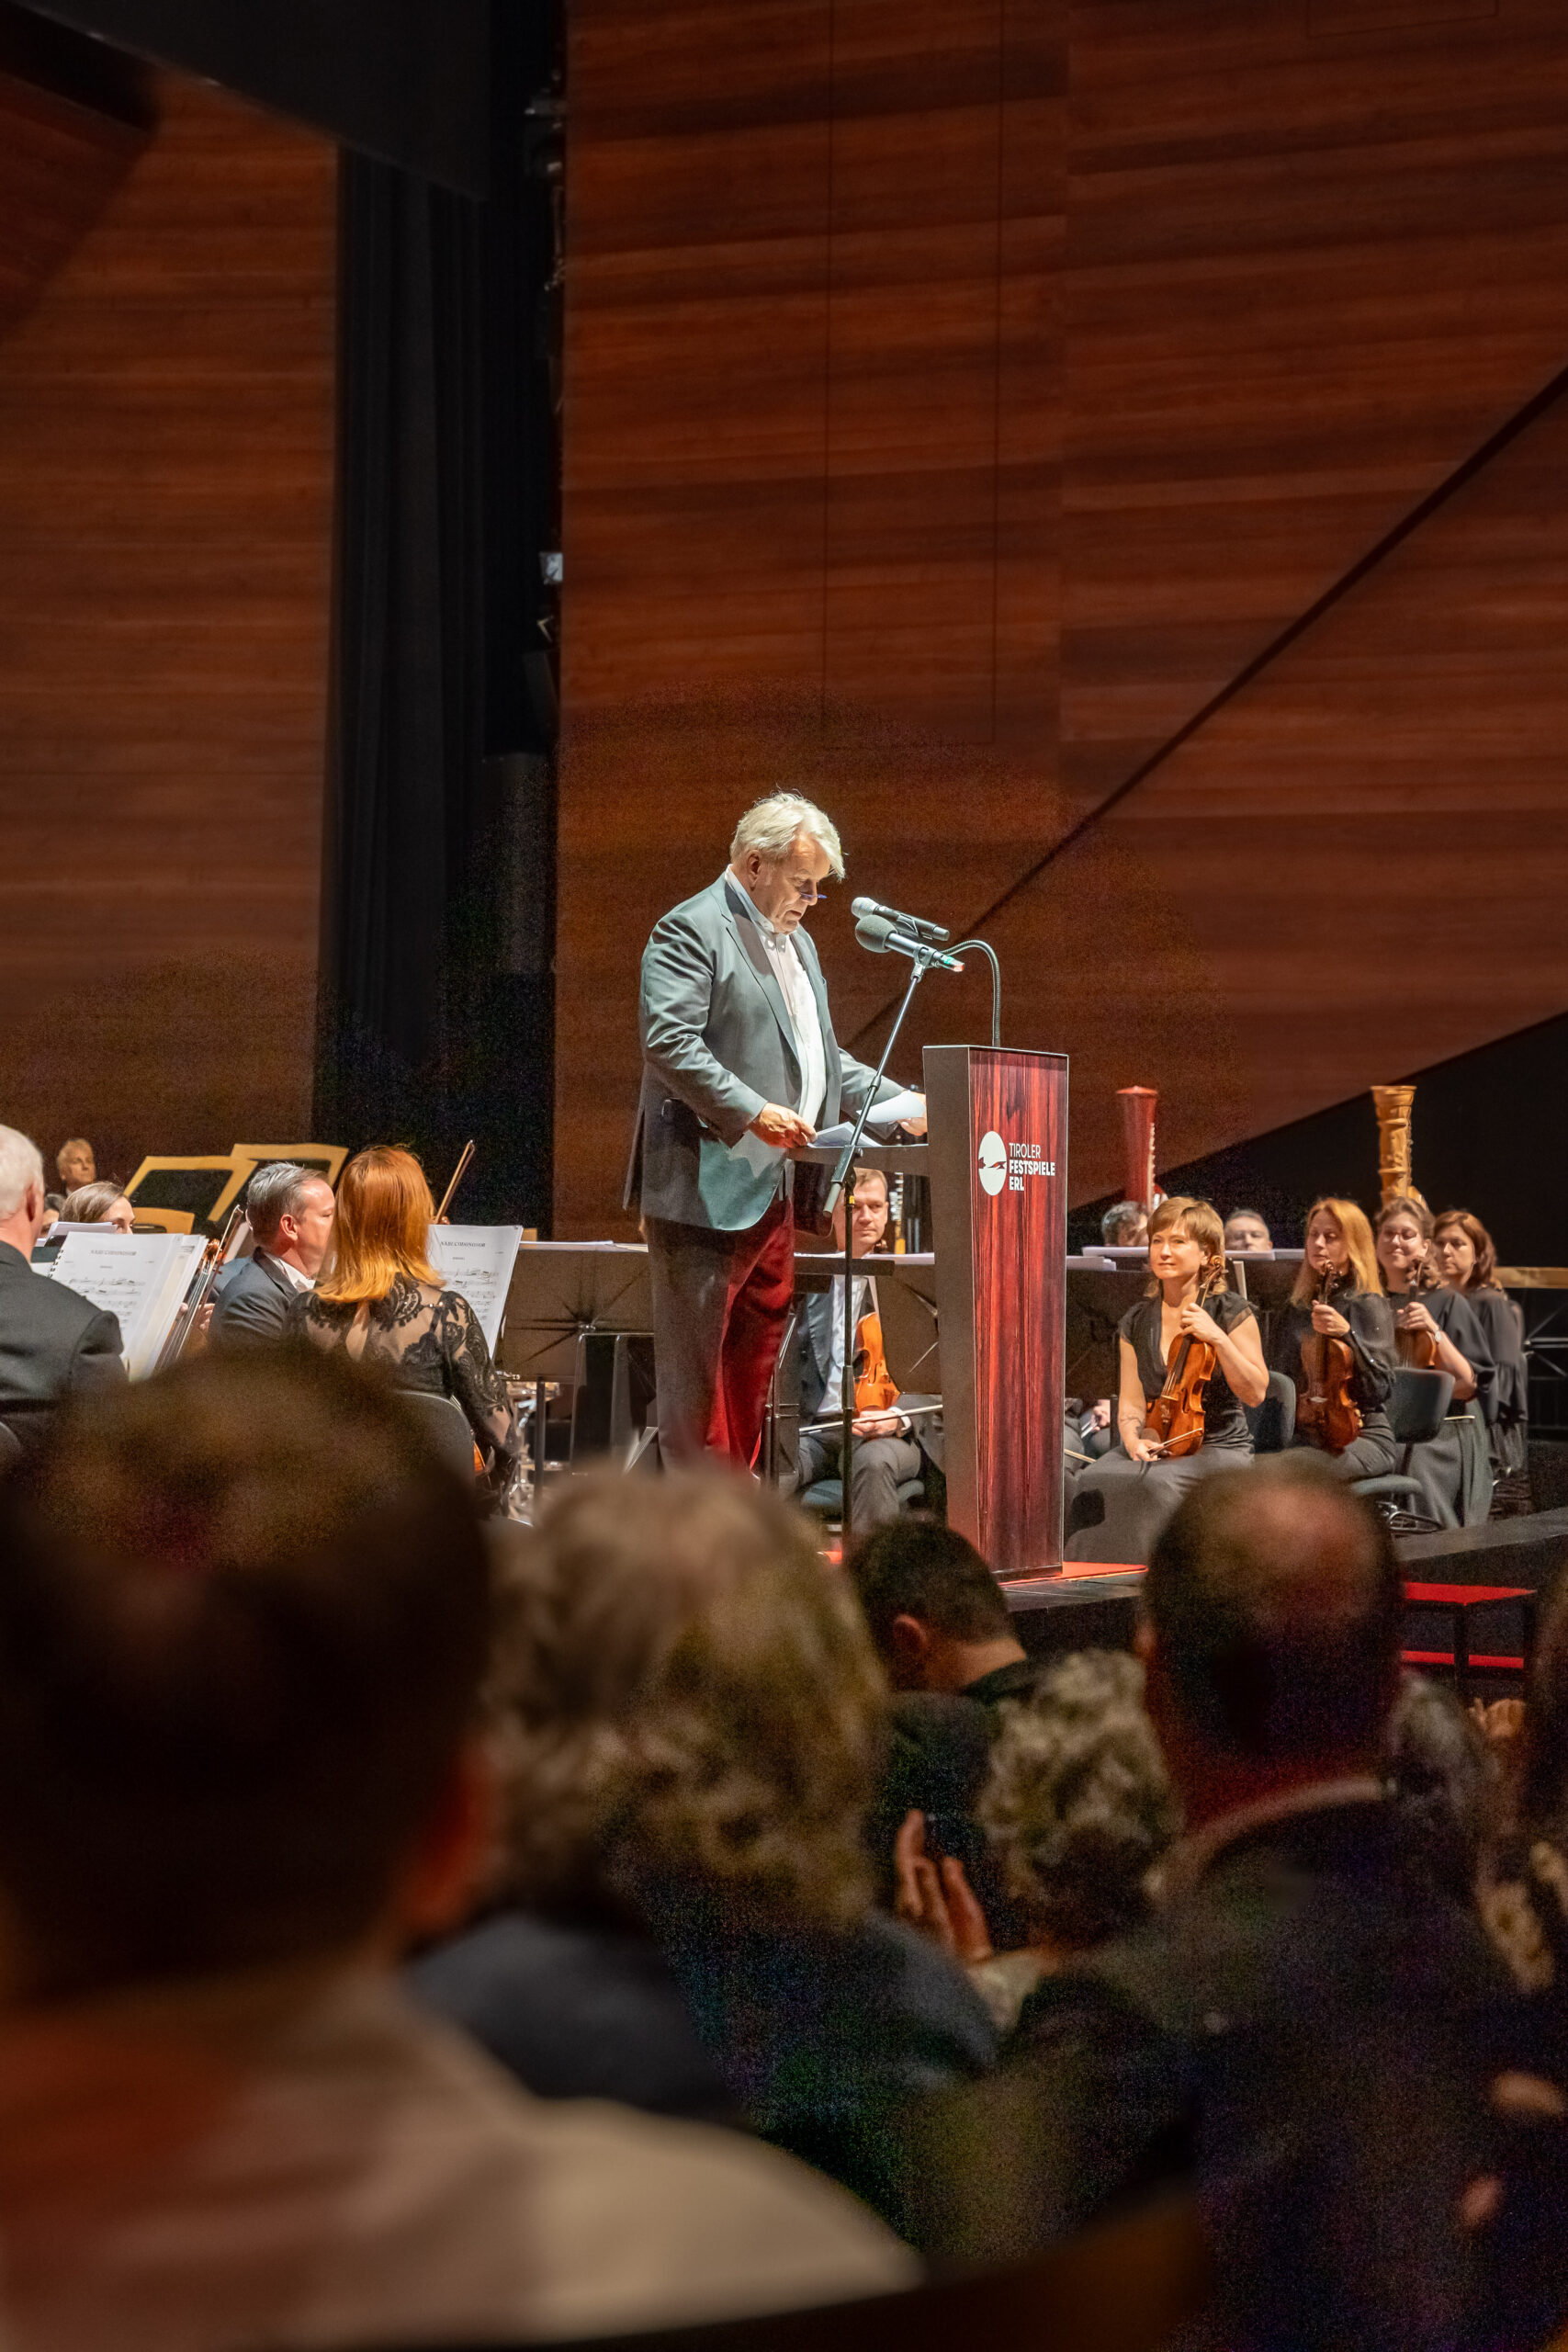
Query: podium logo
x,y
993,1162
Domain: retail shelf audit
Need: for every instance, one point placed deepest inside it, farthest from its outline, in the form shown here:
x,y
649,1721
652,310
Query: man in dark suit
x,y
740,1065
1307,2033
51,1338
892,1440
289,1211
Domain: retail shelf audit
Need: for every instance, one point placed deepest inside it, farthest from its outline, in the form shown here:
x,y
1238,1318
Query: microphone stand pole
x,y
843,1182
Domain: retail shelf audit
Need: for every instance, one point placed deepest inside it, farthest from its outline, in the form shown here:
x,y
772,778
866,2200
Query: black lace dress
x,y
425,1338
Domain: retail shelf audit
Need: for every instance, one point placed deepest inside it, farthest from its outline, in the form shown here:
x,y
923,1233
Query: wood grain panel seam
x,y
1507,434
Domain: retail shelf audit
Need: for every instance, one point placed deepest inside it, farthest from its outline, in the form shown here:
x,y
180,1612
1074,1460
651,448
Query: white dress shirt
x,y
297,1281
800,1004
835,1389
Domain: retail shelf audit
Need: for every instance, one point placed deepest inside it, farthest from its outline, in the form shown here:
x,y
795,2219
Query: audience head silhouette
x,y
1271,1630
1078,1806
684,1699
243,1626
936,1613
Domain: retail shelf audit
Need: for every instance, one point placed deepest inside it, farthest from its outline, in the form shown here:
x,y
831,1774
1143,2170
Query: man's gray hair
x,y
771,826
276,1192
21,1164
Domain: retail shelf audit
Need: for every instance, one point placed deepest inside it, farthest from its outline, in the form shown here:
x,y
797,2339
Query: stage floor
x,y
1095,1606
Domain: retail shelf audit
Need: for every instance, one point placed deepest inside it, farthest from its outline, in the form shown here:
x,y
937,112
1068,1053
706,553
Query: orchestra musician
x,y
1245,1230
1466,1261
891,1442
1138,1483
1340,1259
740,1065
1437,1328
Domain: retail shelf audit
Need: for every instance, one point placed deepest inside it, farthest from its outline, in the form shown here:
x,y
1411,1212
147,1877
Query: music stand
x,y
560,1292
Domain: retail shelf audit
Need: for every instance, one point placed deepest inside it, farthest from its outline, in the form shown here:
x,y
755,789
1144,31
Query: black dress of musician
x,y
1339,1243
1466,1259
1121,1503
1454,1467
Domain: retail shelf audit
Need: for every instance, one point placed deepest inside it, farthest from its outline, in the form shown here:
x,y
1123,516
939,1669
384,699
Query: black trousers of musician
x,y
1119,1506
720,1305
879,1467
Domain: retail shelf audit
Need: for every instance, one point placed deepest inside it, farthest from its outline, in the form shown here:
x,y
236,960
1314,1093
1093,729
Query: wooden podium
x,y
998,1169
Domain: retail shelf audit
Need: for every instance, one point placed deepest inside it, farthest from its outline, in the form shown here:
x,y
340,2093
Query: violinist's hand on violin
x,y
785,1129
1143,1448
1199,1322
1329,1321
1414,1317
877,1424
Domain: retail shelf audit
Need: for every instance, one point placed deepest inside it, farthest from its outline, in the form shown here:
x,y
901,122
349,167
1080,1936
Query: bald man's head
x,y
1274,1601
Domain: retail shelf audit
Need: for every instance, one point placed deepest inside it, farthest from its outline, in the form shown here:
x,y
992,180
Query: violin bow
x,y
457,1179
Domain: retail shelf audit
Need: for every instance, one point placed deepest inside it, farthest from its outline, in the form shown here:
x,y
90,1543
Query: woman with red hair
x,y
380,1300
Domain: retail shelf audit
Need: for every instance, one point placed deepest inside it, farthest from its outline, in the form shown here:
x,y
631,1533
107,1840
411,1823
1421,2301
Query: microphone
x,y
915,923
879,932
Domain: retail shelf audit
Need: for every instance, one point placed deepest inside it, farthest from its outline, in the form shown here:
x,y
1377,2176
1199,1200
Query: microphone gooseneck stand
x,y
923,955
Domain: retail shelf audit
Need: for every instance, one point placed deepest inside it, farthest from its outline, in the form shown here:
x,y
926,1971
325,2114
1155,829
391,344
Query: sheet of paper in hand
x,y
141,1277
477,1260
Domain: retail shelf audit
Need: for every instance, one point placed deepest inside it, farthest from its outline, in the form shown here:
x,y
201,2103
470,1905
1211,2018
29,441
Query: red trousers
x,y
720,1305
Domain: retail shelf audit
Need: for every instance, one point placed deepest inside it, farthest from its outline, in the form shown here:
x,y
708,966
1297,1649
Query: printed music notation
x,y
140,1277
477,1261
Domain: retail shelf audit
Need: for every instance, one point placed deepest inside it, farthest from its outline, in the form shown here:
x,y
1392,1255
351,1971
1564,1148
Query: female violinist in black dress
x,y
1439,1327
1466,1261
1137,1487
1337,1294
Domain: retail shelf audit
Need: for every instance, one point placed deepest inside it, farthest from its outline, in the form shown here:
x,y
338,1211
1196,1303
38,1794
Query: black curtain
x,y
436,1012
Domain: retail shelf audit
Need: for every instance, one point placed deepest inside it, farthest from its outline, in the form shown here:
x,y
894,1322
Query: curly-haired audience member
x,y
1078,1808
1077,1811
689,1721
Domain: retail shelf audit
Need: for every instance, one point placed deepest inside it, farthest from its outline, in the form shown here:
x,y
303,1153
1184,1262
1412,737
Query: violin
x,y
877,1391
1419,1349
1174,1421
1327,1412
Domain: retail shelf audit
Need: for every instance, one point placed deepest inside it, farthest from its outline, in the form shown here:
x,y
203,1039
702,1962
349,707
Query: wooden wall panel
x,y
1307,276
1262,279
166,499
59,162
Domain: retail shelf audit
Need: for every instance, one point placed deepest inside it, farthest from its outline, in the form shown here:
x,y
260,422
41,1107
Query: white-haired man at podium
x,y
740,1066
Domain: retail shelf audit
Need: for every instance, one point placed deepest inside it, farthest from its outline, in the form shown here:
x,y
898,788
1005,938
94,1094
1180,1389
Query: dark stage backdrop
x,y
1490,1132
436,1006
403,79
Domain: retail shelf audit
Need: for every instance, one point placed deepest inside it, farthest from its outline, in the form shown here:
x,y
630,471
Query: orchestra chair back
x,y
1273,1422
1416,1411
1134,2286
445,1423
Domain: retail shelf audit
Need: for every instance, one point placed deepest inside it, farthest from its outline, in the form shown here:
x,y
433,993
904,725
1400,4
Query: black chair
x,y
1273,1421
1416,1411
448,1425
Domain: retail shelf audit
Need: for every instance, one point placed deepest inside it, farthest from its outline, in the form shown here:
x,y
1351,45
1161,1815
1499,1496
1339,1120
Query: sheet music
x,y
141,1277
477,1261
